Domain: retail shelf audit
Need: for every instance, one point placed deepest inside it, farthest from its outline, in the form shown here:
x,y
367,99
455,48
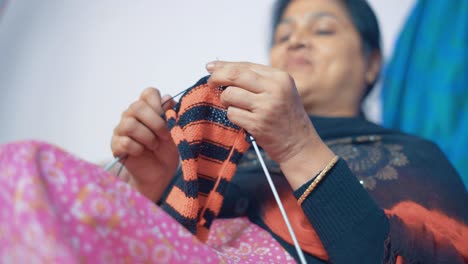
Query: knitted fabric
x,y
210,146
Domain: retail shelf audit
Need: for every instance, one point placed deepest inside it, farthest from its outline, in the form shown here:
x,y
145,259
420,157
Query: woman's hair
x,y
362,17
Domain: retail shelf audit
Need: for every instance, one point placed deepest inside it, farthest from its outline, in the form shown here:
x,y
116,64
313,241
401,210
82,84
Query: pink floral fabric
x,y
56,208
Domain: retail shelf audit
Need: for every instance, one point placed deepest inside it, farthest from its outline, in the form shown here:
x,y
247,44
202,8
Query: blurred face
x,y
317,44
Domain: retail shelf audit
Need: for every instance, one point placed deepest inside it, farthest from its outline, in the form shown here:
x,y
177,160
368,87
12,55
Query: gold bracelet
x,y
317,180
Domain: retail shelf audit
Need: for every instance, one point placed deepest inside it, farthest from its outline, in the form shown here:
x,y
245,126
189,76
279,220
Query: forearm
x,y
353,228
349,223
300,168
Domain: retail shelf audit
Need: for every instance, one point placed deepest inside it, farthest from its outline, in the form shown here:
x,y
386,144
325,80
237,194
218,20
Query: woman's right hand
x,y
143,137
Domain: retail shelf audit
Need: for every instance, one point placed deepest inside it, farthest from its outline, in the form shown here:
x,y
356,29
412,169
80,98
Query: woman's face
x,y
317,44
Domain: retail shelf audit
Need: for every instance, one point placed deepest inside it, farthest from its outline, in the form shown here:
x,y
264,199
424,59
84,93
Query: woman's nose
x,y
299,39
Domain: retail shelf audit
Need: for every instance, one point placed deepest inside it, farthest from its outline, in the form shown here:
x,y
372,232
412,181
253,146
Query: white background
x,y
69,68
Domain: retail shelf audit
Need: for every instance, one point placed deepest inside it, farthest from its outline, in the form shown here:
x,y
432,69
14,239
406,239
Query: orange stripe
x,y
202,233
182,204
170,113
228,170
209,168
214,170
189,169
204,102
177,135
202,200
201,93
214,202
210,131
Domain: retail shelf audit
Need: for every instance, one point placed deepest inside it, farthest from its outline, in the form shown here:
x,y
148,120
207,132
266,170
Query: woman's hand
x,y
142,136
265,102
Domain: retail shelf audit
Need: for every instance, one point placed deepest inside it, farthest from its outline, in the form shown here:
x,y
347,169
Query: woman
x,y
388,197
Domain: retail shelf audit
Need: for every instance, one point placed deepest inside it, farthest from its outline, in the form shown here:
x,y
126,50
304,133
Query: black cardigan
x,y
378,169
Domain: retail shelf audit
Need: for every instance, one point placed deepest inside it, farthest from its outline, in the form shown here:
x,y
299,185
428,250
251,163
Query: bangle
x,y
317,179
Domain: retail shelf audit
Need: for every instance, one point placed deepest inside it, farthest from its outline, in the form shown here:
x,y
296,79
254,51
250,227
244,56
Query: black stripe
x,y
189,90
205,185
210,150
211,142
190,188
171,123
209,216
222,186
185,150
190,224
205,113
202,81
236,156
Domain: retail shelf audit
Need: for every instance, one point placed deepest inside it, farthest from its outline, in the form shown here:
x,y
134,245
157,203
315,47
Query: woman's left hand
x,y
265,102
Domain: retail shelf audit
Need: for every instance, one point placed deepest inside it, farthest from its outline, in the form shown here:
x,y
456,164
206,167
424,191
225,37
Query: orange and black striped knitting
x,y
210,146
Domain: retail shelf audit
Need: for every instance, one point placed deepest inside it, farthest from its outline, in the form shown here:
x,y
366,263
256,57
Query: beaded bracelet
x,y
317,179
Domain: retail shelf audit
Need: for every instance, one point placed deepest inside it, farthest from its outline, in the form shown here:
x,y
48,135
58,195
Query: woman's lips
x,y
298,63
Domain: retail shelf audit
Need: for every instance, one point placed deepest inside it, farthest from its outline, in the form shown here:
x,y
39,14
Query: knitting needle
x,y
111,164
278,201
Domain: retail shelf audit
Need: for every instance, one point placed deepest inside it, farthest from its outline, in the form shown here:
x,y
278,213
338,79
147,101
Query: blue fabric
x,y
425,88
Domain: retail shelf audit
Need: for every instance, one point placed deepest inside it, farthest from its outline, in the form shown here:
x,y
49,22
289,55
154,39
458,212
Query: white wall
x,y
69,68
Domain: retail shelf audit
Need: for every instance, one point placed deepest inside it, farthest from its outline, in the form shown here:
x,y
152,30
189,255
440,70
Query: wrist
x,y
306,163
151,191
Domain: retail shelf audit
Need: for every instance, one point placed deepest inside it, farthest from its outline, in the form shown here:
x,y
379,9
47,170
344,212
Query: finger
x,y
241,117
146,114
168,102
126,146
152,97
258,68
238,74
238,97
130,127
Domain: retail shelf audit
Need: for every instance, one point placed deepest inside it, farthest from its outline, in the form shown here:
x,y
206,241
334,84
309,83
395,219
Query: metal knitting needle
x,y
278,201
112,163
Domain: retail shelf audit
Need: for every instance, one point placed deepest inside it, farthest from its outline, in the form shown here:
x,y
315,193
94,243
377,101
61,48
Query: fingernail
x,y
165,99
210,66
